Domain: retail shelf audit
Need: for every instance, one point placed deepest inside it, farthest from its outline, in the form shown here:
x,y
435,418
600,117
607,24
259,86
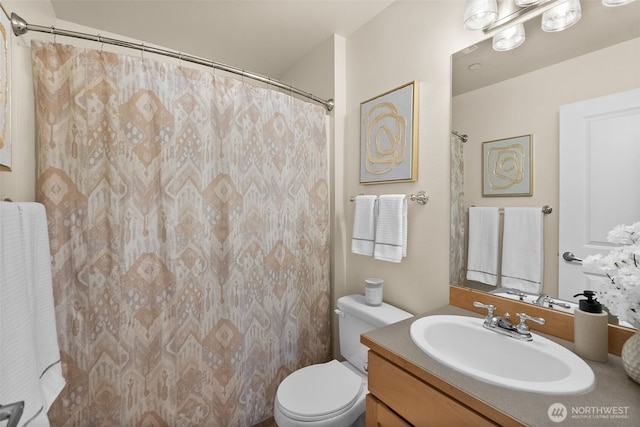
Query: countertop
x,y
615,400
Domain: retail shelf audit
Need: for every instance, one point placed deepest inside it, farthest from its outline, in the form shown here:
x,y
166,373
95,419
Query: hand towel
x,y
29,354
391,228
522,249
483,251
364,225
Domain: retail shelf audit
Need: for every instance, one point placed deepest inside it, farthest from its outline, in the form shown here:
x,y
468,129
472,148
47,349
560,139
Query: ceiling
x,y
262,36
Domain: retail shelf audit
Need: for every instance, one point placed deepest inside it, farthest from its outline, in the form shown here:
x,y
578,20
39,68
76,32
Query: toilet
x,y
333,393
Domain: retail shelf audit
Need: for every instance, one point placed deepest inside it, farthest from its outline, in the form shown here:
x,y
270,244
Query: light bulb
x,y
479,14
562,16
612,3
510,38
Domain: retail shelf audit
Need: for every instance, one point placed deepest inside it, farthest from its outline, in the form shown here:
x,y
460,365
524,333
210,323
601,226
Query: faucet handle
x,y
519,294
490,307
522,326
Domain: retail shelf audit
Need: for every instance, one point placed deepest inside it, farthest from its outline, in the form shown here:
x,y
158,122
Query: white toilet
x,y
333,393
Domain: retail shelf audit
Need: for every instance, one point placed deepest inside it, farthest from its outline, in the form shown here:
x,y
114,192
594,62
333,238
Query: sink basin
x,y
539,366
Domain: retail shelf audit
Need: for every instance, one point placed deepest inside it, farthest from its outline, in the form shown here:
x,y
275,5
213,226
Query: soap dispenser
x,y
591,326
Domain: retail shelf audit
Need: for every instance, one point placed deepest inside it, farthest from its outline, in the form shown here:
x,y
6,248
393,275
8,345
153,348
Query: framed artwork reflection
x,y
507,167
389,136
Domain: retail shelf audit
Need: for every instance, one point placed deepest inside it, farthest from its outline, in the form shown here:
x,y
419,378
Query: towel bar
x,y
546,209
421,197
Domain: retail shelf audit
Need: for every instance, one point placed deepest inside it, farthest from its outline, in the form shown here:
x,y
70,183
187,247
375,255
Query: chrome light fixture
x,y
612,3
479,14
510,38
562,16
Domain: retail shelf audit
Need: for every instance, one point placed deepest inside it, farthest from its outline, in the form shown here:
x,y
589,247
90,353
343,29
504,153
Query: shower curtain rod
x,y
462,137
20,27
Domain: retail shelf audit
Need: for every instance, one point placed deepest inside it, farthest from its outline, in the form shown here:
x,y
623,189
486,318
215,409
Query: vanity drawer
x,y
379,415
416,401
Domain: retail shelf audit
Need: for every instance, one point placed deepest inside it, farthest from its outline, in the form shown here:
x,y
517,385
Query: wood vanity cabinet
x,y
399,398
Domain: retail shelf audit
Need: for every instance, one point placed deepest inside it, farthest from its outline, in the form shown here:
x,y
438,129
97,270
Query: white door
x,y
599,179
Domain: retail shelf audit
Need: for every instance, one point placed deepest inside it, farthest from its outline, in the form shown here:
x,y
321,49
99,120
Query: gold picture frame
x,y
507,167
389,136
5,90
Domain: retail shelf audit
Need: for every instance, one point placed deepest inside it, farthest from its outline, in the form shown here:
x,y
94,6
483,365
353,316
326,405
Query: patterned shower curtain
x,y
188,222
457,254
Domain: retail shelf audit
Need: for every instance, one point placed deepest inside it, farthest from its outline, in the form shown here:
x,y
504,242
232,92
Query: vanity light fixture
x,y
562,16
520,14
509,39
479,14
612,3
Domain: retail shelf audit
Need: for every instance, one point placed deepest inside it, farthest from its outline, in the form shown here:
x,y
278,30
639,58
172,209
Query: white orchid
x,y
621,293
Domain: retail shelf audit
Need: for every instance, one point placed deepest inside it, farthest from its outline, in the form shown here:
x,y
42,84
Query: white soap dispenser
x,y
591,328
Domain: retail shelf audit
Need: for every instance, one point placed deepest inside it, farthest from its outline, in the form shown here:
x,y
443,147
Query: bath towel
x,y
364,225
522,249
482,256
29,355
391,228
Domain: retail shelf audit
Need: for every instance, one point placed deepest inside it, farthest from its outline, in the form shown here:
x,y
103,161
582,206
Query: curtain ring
x,y
101,42
142,54
179,59
53,33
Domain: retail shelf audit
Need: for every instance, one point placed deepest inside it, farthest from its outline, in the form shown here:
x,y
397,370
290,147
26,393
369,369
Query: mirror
x,y
498,95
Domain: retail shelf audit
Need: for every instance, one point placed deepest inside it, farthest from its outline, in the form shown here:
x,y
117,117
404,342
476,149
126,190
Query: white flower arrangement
x,y
621,293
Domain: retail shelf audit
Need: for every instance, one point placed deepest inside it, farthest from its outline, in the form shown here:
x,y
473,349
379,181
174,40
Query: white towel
x,y
482,254
391,228
522,249
364,225
29,354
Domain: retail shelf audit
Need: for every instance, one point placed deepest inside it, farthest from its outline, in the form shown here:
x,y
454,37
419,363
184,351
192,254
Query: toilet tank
x,y
355,318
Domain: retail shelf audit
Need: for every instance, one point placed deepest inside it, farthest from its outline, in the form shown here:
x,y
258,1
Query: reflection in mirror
x,y
498,95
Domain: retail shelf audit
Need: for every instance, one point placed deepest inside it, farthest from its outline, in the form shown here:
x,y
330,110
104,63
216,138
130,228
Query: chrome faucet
x,y
542,299
546,299
503,326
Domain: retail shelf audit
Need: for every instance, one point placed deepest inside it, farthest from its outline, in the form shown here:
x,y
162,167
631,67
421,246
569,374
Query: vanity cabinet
x,y
407,387
399,398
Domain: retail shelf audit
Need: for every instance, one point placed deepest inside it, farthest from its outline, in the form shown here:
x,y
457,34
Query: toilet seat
x,y
318,392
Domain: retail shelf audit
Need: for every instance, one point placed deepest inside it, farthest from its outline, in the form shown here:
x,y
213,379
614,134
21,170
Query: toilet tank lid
x,y
378,316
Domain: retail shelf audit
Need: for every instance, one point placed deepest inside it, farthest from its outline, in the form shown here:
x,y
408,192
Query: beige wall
x,y
19,184
410,40
538,96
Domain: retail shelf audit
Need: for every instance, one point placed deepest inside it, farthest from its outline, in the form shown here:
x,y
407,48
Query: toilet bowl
x,y
329,394
333,394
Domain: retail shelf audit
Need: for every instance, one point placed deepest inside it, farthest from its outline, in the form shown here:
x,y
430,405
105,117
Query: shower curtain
x,y
188,222
458,254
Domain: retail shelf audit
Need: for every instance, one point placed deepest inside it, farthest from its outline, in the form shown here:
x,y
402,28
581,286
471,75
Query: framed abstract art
x,y
507,167
389,136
